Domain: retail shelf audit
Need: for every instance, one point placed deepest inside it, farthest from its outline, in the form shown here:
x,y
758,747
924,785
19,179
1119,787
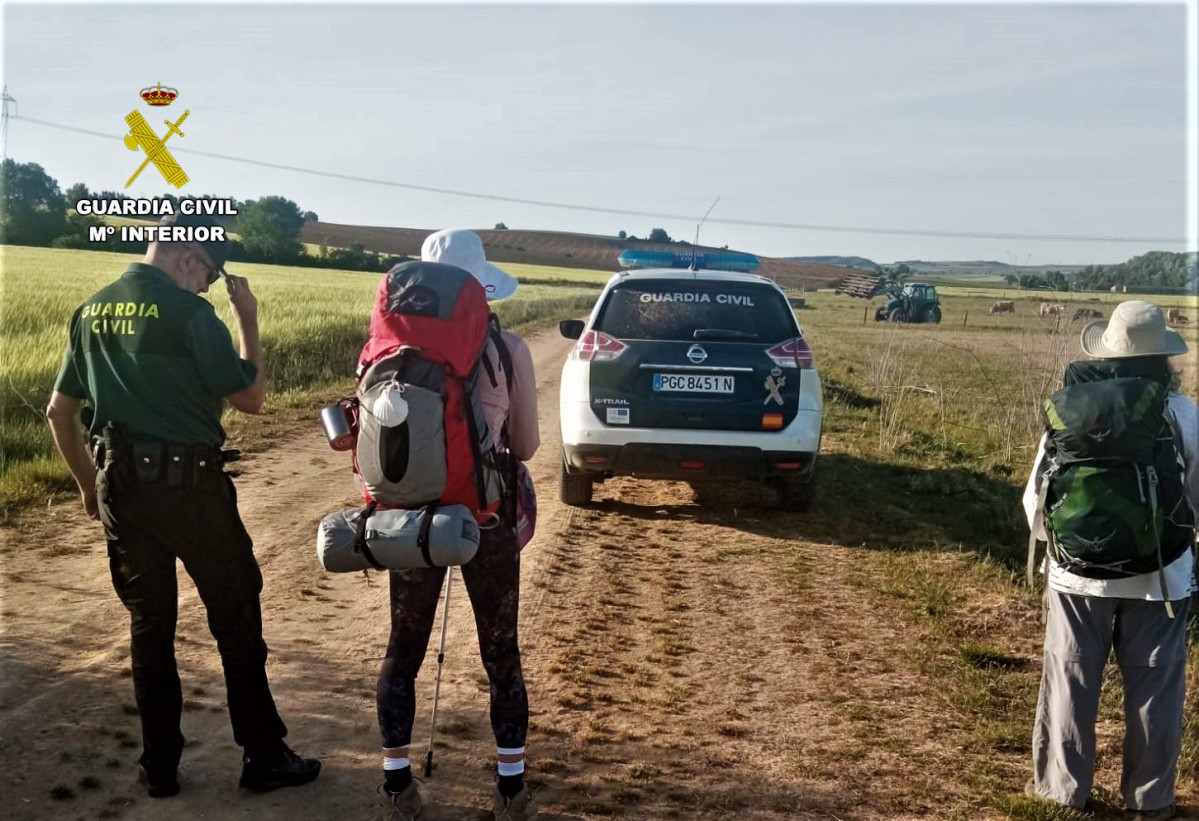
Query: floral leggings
x,y
493,583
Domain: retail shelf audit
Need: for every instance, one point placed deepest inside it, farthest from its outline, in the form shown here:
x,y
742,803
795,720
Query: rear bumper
x,y
598,449
685,461
589,446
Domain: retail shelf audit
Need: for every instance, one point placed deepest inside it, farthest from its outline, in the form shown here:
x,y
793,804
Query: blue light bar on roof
x,y
722,261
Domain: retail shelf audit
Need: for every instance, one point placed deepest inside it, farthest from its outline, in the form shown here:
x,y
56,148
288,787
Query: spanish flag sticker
x,y
772,421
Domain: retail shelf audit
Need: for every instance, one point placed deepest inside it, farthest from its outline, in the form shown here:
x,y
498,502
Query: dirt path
x,y
683,662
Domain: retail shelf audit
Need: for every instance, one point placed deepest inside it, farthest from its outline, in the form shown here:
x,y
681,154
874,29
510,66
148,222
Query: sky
x,y
893,131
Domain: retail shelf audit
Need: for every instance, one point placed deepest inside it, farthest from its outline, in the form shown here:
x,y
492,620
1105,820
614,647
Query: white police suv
x,y
690,368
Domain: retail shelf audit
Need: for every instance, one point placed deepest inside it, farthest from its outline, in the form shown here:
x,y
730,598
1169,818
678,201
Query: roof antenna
x,y
695,248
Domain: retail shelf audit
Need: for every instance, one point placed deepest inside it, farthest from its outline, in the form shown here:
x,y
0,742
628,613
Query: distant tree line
x,y
897,274
1154,271
655,235
34,211
658,235
1045,281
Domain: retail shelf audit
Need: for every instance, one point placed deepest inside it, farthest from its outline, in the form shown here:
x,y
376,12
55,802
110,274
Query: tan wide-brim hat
x,y
1136,328
464,249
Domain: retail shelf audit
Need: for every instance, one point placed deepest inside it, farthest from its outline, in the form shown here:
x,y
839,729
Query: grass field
x,y
932,429
1072,298
313,323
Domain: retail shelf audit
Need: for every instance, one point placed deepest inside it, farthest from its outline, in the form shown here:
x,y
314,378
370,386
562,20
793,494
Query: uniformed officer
x,y
148,366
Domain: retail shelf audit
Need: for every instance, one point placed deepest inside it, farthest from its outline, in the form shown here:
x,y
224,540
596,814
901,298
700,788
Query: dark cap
x,y
217,249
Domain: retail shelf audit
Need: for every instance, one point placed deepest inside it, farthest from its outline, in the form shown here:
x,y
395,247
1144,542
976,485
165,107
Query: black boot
x,y
158,784
282,768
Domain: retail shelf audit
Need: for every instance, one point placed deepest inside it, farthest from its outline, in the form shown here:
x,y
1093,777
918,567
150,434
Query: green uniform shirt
x,y
154,358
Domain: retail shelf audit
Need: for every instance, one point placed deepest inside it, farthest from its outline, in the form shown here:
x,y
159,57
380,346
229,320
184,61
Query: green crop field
x,y
313,323
550,274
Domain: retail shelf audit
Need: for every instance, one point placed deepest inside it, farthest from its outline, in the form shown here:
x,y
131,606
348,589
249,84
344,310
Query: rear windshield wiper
x,y
722,333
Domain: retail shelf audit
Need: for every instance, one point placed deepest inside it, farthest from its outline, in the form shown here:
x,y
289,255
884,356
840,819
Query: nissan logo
x,y
696,354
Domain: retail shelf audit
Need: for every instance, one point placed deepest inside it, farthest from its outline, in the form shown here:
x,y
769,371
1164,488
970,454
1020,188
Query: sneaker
x,y
406,805
1164,814
282,769
159,785
519,807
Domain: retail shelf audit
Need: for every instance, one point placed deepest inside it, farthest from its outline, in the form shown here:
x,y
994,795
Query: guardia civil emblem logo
x,y
143,138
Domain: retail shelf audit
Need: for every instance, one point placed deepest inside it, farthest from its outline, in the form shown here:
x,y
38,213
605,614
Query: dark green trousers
x,y
148,527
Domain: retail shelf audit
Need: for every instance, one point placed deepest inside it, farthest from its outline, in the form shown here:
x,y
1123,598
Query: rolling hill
x,y
555,248
846,262
966,269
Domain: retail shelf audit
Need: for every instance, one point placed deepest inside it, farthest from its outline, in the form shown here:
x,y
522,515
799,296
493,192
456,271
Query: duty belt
x,y
155,462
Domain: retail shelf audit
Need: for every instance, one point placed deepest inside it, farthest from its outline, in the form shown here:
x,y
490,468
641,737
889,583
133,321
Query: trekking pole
x,y
445,617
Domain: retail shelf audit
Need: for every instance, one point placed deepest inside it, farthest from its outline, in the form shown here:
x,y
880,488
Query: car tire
x,y
574,488
796,494
897,315
932,315
704,494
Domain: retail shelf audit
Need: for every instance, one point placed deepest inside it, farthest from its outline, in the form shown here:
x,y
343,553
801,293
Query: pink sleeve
x,y
523,433
494,396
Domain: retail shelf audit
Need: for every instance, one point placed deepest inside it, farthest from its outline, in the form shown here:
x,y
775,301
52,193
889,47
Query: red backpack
x,y
422,437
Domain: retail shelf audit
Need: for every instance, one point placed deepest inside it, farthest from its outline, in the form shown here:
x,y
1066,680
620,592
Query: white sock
x,y
395,763
511,768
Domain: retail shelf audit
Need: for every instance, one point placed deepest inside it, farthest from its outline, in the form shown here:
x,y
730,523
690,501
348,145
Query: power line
x,y
5,99
794,226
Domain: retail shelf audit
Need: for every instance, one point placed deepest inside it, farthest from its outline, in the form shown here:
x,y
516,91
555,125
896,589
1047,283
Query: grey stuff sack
x,y
393,539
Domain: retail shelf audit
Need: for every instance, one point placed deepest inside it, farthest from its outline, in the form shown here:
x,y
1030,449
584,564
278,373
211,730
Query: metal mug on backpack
x,y
339,424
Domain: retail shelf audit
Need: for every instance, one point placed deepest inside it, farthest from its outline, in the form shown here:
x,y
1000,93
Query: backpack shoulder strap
x,y
510,473
1042,494
501,348
487,366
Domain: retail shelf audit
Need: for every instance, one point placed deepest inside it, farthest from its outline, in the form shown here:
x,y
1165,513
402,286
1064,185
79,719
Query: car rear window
x,y
687,310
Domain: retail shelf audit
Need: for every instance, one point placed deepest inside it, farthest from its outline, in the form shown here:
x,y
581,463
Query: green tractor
x,y
910,302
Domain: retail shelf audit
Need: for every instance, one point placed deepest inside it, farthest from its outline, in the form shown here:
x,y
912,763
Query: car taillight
x,y
794,353
596,346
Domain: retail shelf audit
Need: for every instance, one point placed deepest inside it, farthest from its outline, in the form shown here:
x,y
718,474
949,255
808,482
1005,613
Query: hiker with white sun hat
x,y
1119,563
464,249
507,390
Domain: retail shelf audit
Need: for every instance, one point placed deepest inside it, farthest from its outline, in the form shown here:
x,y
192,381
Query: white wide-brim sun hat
x,y
1136,328
464,249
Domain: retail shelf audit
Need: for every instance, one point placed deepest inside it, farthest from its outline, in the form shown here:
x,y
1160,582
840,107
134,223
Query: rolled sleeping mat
x,y
397,539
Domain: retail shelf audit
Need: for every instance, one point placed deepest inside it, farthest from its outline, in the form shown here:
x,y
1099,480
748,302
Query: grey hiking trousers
x,y
1150,648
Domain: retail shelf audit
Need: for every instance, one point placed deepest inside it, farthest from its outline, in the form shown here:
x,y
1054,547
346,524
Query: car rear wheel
x,y
796,494
574,488
932,315
705,494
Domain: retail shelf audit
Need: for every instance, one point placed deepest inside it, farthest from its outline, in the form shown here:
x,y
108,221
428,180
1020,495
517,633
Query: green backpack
x,y
1112,489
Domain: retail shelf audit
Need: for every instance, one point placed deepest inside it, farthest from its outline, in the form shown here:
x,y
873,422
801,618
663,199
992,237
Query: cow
x,y
1051,309
1086,313
1175,316
1005,306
